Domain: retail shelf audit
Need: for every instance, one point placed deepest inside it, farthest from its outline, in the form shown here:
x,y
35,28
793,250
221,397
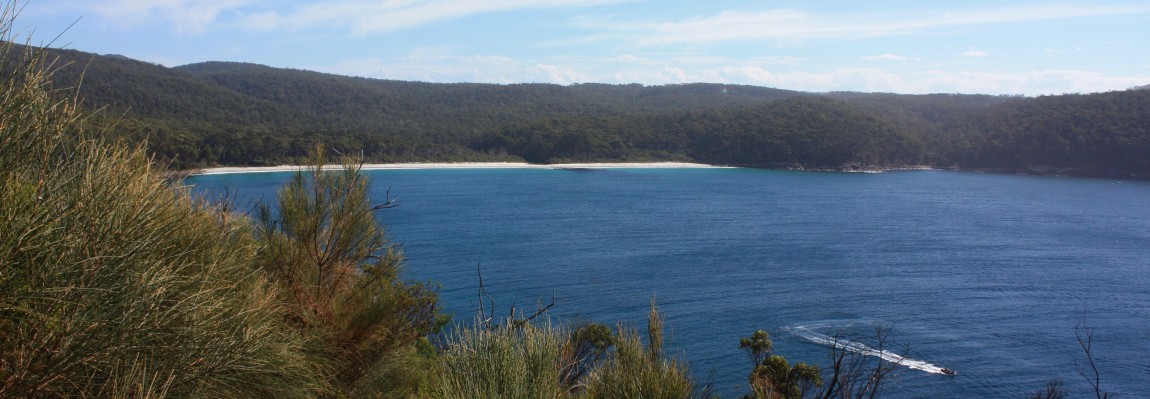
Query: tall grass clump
x,y
113,283
634,370
513,361
531,359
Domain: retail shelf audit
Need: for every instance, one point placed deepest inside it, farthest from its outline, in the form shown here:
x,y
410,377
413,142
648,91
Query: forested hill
x,y
220,113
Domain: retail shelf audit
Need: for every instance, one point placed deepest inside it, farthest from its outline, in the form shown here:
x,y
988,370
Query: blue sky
x,y
970,46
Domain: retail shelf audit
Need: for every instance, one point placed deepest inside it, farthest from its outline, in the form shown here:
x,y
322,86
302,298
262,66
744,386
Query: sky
x,y
1008,47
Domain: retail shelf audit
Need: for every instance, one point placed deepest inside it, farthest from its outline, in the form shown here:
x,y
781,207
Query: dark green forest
x,y
220,113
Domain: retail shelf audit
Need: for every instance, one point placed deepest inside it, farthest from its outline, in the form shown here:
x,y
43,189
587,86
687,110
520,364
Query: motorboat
x,y
947,371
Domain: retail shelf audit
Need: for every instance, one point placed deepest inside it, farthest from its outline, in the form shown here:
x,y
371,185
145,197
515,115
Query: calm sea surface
x,y
984,274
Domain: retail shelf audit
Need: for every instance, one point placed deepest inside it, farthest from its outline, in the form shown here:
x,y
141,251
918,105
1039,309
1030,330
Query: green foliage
x,y
112,282
505,361
585,347
772,376
531,359
758,346
775,378
636,371
338,277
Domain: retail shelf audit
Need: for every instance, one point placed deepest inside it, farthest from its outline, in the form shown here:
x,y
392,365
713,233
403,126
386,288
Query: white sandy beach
x,y
464,165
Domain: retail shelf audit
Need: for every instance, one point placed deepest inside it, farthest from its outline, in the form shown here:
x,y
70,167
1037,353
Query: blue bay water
x,y
984,274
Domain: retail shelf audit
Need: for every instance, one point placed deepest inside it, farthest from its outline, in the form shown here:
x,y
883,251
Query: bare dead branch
x,y
388,202
1085,336
484,316
855,375
540,311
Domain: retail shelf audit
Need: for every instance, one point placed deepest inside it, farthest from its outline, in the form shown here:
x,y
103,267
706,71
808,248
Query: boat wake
x,y
808,333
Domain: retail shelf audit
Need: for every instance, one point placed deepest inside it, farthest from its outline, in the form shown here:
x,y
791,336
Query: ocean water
x,y
988,275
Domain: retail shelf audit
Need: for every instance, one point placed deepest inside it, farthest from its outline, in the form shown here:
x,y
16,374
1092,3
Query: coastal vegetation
x,y
116,282
221,113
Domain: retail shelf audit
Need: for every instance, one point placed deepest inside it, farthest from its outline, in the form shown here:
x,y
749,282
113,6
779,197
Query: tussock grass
x,y
519,359
634,370
501,362
113,283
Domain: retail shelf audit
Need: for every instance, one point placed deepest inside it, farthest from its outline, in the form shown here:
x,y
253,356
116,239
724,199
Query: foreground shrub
x,y
112,282
501,362
338,282
635,371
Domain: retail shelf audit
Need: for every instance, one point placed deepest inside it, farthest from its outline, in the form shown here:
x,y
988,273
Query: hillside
x,y
216,113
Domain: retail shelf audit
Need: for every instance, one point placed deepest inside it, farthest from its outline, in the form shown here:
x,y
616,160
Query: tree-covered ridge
x,y
217,113
1105,134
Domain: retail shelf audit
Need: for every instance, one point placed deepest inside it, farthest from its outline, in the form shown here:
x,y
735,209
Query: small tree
x,y
772,376
339,275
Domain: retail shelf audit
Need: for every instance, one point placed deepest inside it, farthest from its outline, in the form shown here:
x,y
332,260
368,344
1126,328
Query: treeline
x,y
220,113
1096,135
117,283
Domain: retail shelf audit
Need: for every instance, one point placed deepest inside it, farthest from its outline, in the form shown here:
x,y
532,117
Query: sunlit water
x,y
987,275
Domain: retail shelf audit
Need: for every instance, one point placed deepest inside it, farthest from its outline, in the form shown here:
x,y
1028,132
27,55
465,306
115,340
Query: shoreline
x,y
461,165
222,170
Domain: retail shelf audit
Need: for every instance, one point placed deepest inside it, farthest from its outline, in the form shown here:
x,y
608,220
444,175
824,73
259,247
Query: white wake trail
x,y
810,335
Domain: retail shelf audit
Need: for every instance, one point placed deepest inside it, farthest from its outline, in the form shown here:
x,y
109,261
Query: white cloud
x,y
365,17
446,68
462,59
853,79
361,17
880,80
632,59
559,75
1033,82
671,75
776,60
266,21
649,70
184,16
433,68
886,57
974,53
789,25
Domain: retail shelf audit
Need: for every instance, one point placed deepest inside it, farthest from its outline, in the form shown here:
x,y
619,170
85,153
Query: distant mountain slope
x,y
155,92
234,113
379,104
